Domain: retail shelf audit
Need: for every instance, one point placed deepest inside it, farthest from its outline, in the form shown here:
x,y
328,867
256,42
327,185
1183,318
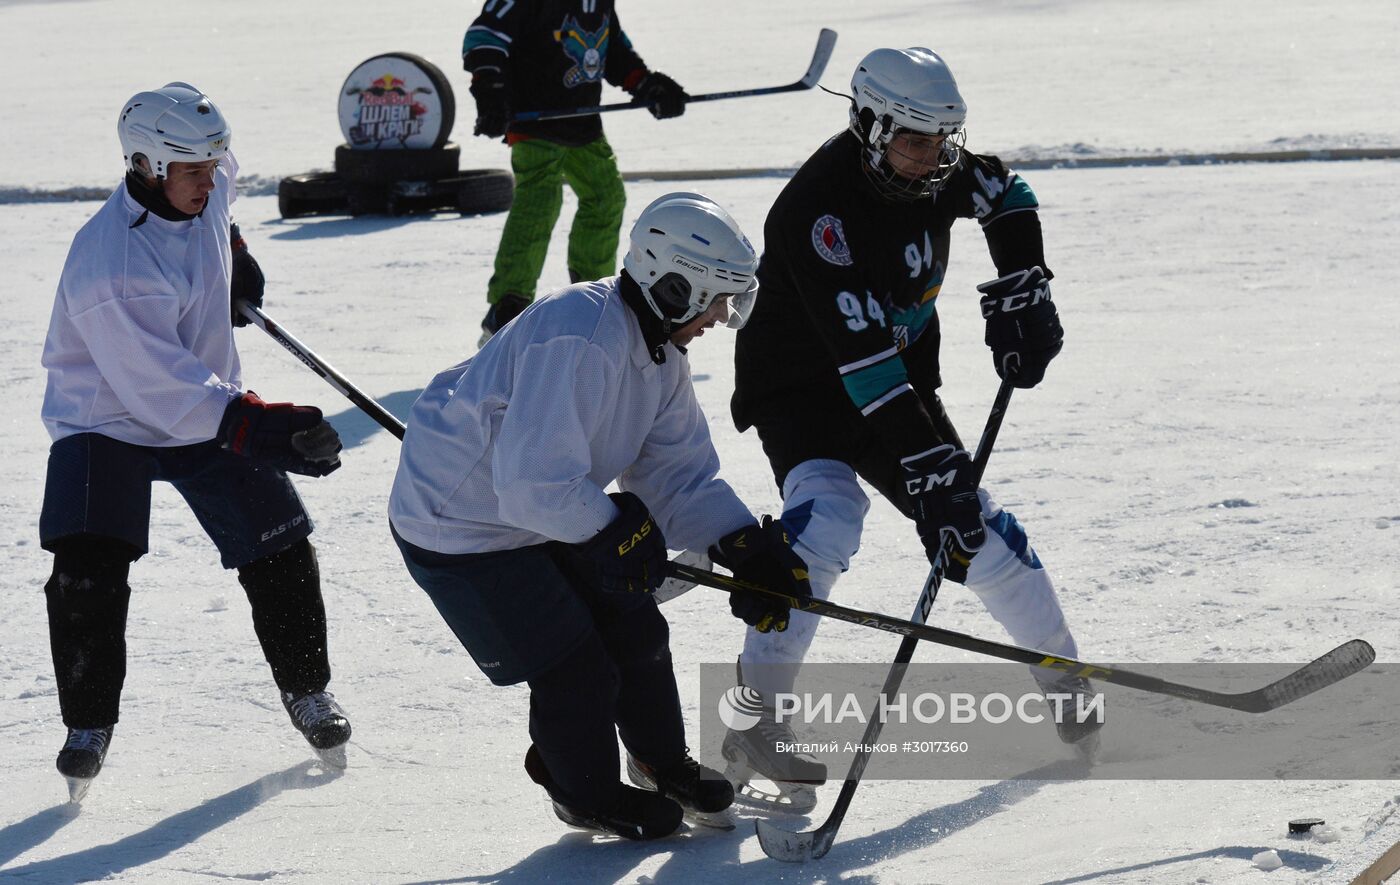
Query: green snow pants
x,y
541,168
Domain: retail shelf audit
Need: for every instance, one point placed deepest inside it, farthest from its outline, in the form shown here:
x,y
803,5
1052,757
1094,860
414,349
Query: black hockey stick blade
x,y
788,847
826,41
1339,663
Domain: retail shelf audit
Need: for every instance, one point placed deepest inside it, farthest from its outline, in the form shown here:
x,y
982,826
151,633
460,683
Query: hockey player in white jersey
x,y
144,384
500,511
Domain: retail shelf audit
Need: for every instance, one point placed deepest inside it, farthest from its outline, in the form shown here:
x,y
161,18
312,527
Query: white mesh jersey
x,y
516,445
140,347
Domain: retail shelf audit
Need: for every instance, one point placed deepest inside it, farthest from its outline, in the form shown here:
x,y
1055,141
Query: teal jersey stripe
x,y
866,385
481,38
1018,196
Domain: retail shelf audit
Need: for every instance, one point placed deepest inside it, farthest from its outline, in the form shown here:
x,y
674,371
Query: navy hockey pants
x,y
598,664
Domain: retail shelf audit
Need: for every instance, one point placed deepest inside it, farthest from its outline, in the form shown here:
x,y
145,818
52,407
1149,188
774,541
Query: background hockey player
x,y
553,55
837,369
144,384
500,511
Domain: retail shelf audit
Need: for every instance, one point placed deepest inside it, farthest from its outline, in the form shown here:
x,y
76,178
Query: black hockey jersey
x,y
553,54
845,321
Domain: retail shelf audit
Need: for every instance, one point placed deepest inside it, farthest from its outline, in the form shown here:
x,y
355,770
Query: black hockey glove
x,y
663,96
762,554
942,496
247,283
291,438
1023,327
492,112
629,555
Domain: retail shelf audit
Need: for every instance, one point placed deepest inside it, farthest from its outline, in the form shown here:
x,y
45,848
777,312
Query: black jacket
x,y
553,54
845,325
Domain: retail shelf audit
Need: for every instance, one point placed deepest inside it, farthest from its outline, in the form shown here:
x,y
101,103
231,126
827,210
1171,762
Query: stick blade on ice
x,y
789,847
1339,663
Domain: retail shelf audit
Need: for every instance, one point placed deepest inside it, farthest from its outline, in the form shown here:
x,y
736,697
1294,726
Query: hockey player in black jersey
x,y
838,371
554,55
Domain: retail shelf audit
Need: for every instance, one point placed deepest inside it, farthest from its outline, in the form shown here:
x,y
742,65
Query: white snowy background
x,y
1209,469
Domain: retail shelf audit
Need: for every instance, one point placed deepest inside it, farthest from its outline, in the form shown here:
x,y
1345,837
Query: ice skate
x,y
754,752
1082,736
500,313
637,814
323,723
81,758
703,794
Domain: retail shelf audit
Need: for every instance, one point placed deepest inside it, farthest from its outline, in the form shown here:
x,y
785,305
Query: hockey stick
x,y
820,56
1341,662
792,847
259,318
1345,660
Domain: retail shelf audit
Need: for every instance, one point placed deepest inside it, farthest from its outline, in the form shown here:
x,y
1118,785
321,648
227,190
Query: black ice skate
x,y
500,313
637,814
702,793
1083,736
321,720
81,758
755,751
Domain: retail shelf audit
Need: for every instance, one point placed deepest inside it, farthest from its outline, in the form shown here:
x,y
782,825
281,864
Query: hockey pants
x,y
541,168
824,507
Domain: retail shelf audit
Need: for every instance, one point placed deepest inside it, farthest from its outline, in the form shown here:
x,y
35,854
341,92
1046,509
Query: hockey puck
x,y
1304,825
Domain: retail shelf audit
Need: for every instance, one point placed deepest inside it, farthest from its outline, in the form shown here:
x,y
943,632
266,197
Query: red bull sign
x,y
396,101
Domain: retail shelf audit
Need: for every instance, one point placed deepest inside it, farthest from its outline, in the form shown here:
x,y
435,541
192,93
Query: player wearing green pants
x,y
541,168
546,56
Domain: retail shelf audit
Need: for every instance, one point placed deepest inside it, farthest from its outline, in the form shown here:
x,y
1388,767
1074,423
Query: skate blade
x,y
712,820
334,757
78,788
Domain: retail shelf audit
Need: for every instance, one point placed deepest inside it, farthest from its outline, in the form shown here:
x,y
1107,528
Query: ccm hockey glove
x,y
629,555
291,438
1023,327
942,497
762,554
663,96
247,283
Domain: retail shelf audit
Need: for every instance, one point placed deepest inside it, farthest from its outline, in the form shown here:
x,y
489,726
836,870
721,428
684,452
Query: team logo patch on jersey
x,y
829,240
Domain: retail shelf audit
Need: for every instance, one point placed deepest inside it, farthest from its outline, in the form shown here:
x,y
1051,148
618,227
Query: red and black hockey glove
x,y
943,497
1023,327
291,438
629,555
762,554
247,283
663,96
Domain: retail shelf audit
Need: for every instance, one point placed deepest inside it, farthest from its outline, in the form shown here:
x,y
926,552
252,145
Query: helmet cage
x,y
882,175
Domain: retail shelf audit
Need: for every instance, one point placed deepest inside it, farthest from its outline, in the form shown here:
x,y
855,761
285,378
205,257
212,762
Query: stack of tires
x,y
396,111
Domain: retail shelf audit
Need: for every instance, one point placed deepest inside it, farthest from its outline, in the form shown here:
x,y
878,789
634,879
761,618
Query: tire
x,y
312,193
385,166
482,190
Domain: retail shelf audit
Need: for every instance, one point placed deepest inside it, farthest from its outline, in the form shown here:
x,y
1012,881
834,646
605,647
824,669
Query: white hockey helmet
x,y
174,124
906,90
685,251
